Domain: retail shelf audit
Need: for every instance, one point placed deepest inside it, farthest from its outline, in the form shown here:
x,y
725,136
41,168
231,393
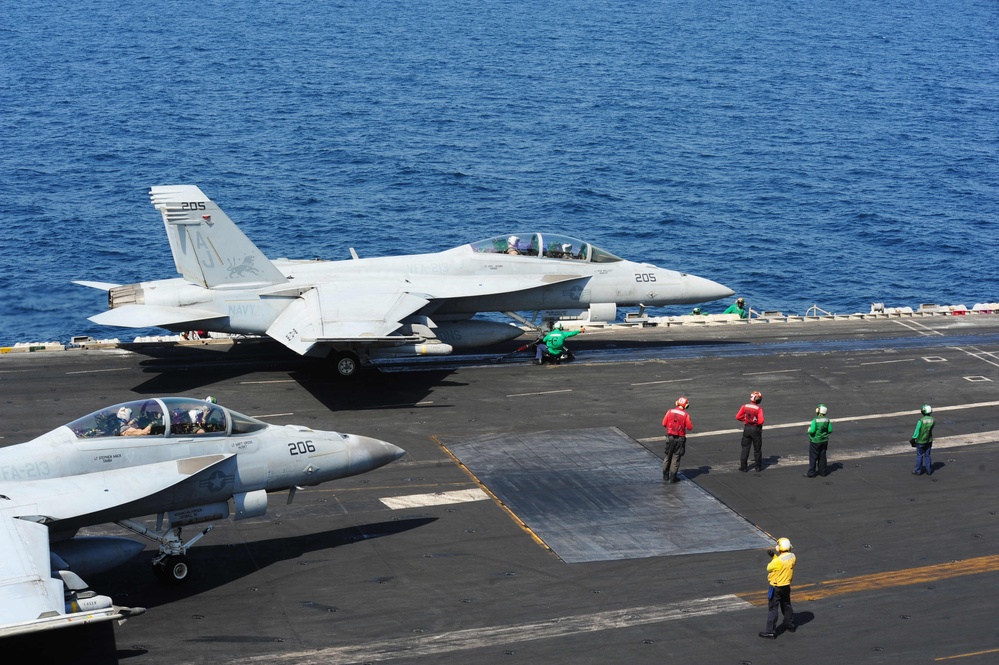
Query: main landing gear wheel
x,y
346,364
173,570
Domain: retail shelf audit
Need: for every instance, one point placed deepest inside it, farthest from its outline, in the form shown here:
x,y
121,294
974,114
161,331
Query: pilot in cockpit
x,y
511,245
129,426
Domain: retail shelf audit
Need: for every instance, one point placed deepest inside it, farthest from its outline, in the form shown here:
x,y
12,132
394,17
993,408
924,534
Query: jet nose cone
x,y
699,289
367,453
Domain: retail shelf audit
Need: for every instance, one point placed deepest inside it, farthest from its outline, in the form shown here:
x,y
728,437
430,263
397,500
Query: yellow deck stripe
x,y
886,580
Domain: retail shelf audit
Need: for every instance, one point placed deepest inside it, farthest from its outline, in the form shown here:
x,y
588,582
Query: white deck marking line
x,y
545,392
434,499
885,362
252,383
926,330
977,355
837,419
95,371
272,415
652,383
495,636
775,371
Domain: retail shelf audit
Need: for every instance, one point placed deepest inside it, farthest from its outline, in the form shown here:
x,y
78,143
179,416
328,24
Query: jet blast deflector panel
x,y
598,495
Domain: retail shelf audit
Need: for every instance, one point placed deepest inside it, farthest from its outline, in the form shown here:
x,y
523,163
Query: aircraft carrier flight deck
x,y
529,521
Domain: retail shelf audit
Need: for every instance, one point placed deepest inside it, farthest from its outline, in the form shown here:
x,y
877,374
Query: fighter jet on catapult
x,y
178,458
358,309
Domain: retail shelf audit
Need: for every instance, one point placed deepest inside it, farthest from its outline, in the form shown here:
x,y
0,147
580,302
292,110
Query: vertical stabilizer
x,y
208,249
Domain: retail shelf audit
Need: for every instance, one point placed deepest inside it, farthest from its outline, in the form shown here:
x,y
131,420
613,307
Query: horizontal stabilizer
x,y
154,316
101,286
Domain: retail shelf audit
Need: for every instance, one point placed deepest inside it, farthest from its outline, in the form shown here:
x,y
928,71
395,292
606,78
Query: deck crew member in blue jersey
x,y
922,441
818,441
779,573
677,423
751,416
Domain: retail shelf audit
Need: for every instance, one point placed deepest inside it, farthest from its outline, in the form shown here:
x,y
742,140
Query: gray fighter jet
x,y
359,309
180,459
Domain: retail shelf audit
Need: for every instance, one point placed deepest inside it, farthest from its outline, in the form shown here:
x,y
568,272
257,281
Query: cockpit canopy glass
x,y
166,417
549,246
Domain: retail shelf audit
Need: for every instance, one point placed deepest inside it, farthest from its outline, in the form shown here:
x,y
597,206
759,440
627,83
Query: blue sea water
x,y
825,152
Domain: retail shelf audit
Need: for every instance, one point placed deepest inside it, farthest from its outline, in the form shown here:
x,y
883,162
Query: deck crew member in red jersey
x,y
677,423
751,415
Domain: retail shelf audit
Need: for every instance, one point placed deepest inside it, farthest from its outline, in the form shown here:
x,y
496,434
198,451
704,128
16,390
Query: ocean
x,y
830,153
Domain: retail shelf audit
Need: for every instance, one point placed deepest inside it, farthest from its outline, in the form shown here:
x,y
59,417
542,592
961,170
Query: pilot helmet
x,y
512,241
124,413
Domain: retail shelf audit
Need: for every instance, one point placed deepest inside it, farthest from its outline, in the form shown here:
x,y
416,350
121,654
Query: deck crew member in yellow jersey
x,y
779,573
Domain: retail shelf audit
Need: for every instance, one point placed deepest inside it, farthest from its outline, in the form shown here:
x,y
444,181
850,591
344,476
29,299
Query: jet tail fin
x,y
208,248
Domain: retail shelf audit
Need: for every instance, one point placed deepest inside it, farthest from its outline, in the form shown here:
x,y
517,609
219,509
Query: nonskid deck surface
x,y
598,495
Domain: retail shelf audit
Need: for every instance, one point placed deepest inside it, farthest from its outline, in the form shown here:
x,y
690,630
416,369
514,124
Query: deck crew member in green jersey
x,y
738,307
818,441
922,441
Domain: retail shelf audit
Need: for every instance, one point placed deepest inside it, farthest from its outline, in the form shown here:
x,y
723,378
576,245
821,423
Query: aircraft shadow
x,y
214,566
177,371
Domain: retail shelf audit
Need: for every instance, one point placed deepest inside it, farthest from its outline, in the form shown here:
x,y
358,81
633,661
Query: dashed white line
x,y
492,636
545,392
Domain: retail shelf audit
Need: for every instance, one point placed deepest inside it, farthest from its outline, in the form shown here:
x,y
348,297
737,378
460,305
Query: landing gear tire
x,y
173,570
346,364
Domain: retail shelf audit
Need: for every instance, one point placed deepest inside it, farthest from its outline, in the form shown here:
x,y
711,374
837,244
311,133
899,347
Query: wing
x,y
104,496
329,313
372,312
32,600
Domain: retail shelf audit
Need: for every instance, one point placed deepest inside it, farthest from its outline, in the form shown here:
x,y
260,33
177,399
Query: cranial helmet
x,y
756,397
926,409
557,325
683,402
211,400
783,545
821,409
